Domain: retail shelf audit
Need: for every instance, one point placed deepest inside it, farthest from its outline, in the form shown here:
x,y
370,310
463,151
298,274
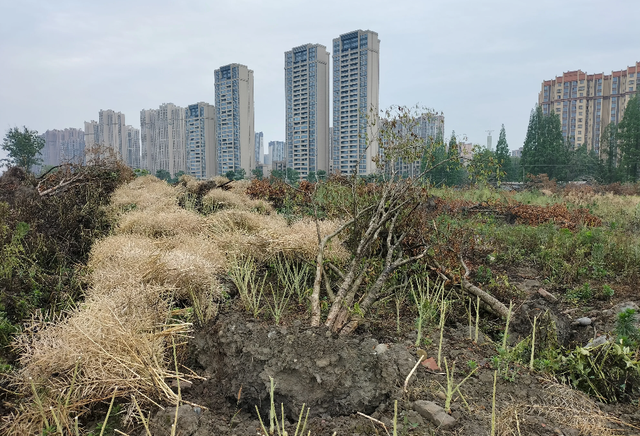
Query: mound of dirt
x,y
331,375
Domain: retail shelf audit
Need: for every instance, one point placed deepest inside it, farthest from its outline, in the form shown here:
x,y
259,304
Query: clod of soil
x,y
331,375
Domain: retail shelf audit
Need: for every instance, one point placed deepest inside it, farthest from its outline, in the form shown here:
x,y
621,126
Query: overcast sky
x,y
479,62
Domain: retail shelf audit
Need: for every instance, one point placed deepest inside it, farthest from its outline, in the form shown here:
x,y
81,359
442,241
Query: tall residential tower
x,y
235,132
356,79
307,109
587,103
164,139
201,140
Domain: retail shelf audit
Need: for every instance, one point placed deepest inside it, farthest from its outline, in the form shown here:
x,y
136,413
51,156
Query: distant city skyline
x,y
151,55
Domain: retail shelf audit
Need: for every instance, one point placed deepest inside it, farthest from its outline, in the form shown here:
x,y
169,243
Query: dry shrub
x,y
240,186
564,406
242,233
301,238
161,223
220,180
218,199
112,341
184,264
144,193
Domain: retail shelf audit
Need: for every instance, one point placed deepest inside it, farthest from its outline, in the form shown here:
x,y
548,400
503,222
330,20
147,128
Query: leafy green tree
x,y
484,166
163,175
545,150
445,161
311,177
610,151
258,173
231,175
176,177
240,174
292,175
322,175
278,174
584,164
22,147
503,156
629,139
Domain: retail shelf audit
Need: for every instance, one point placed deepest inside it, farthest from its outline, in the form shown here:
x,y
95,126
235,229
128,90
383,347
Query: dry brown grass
x,y
118,339
144,193
219,199
243,233
158,223
564,406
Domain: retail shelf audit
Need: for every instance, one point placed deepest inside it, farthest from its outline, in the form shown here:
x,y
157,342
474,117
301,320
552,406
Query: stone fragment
x,y
381,348
434,413
584,321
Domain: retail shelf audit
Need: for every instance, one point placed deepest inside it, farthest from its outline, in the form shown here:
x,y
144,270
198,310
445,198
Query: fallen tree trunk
x,y
491,302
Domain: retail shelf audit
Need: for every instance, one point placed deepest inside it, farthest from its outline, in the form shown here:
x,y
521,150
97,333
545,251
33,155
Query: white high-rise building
x,y
201,140
164,139
259,147
307,104
356,77
63,146
235,132
277,151
133,146
111,131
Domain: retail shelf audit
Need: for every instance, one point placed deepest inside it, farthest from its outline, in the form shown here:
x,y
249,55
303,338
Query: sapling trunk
x,y
443,312
533,343
506,329
477,316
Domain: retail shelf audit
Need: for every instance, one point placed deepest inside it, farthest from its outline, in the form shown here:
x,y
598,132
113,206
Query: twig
x,y
376,421
406,381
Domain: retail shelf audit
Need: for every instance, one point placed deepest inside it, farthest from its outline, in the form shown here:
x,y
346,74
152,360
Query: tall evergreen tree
x,y
545,150
502,155
609,151
629,138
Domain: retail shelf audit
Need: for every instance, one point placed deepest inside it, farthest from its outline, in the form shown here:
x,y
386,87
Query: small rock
x,y
584,321
434,413
381,348
321,363
598,341
547,295
441,395
184,384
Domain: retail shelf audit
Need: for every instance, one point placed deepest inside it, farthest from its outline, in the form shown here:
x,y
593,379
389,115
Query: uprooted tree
x,y
383,236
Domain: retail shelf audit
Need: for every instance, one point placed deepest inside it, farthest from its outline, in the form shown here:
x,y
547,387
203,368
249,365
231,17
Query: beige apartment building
x,y
111,131
587,103
307,109
163,134
356,83
62,146
235,122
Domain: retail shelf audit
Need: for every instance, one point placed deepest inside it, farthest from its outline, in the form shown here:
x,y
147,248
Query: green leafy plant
x,y
607,291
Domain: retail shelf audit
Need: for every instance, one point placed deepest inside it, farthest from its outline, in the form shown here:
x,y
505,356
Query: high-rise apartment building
x,y
235,132
587,103
111,131
63,146
307,108
132,136
164,139
201,140
277,151
259,148
356,73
